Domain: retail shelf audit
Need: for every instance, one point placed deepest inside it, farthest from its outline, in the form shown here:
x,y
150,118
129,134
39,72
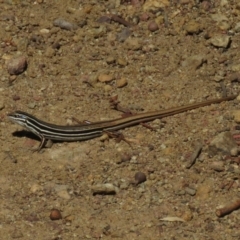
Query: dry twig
x,y
221,212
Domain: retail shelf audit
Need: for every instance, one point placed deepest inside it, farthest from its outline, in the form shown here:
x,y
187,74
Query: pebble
x,y
110,60
107,88
132,44
144,17
234,77
122,82
69,218
192,27
55,214
124,34
235,67
187,215
122,62
50,52
36,188
105,77
44,31
64,194
153,26
225,143
217,166
160,20
124,185
194,61
140,177
203,191
223,3
236,115
220,41
190,191
155,5
107,188
98,32
217,17
224,26
61,191
63,24
32,105
17,65
205,5
237,27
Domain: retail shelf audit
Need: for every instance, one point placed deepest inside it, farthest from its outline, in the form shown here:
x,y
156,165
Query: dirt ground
x,y
62,59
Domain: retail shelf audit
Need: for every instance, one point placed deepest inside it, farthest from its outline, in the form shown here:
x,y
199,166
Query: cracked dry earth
x,y
64,59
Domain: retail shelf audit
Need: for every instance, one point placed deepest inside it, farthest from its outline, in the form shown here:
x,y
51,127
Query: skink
x,y
46,131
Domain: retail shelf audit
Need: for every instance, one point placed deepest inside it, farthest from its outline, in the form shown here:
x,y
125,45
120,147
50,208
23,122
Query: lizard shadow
x,y
24,133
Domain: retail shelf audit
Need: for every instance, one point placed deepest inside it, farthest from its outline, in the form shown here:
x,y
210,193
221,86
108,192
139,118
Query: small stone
x,y
107,188
224,3
144,17
234,152
63,24
132,44
124,34
190,191
140,177
206,5
69,218
124,185
50,52
234,77
236,115
108,88
192,27
110,60
152,26
32,105
44,31
55,214
237,27
204,191
187,215
220,41
122,62
217,166
217,17
235,67
64,194
105,77
125,157
36,188
224,26
160,20
223,142
17,65
155,5
122,82
194,62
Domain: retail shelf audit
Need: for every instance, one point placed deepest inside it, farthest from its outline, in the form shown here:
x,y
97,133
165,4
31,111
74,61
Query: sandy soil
x,y
151,54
